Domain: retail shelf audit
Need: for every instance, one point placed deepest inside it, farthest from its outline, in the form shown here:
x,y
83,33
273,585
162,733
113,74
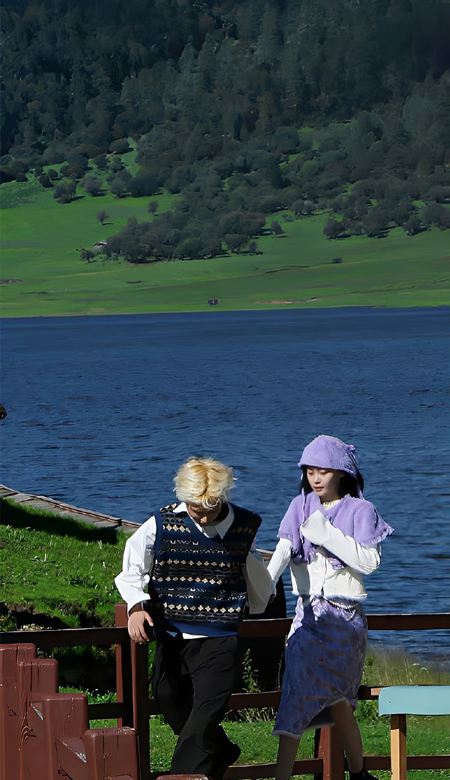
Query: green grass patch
x,y
58,568
425,736
41,240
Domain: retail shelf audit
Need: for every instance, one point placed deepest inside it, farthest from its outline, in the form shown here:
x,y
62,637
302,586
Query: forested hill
x,y
219,89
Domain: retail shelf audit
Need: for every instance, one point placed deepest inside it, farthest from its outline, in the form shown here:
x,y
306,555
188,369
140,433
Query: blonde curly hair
x,y
203,481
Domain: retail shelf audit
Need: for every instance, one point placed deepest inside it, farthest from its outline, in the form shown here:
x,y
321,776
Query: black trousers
x,y
192,680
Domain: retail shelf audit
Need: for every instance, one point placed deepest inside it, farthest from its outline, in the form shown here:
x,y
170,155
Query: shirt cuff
x,y
136,606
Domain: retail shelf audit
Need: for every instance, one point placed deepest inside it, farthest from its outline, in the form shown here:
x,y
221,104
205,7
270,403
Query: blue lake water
x,y
102,411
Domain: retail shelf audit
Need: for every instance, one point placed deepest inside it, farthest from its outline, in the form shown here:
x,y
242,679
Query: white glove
x,y
316,528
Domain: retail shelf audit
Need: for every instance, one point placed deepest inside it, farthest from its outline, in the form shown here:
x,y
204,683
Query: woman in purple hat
x,y
330,536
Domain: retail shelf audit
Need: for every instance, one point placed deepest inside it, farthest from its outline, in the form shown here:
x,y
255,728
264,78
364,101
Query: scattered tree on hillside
x,y
334,228
87,255
120,184
235,241
376,223
101,161
120,146
143,184
436,214
92,185
64,192
44,181
276,228
413,225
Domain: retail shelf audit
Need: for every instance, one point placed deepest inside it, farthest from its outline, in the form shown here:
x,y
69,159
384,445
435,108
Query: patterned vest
x,y
200,579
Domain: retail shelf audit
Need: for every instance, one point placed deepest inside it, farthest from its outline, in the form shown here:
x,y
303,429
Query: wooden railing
x,y
134,708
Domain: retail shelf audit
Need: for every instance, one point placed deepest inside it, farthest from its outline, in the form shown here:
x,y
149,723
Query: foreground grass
x,y
41,238
56,568
426,736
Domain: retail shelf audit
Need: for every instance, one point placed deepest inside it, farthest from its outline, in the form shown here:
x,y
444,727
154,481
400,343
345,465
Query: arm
x,y
318,529
137,565
280,559
260,587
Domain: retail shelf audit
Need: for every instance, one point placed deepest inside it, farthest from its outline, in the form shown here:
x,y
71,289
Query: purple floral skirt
x,y
324,663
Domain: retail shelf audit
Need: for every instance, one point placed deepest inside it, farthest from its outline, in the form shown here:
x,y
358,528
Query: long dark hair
x,y
348,484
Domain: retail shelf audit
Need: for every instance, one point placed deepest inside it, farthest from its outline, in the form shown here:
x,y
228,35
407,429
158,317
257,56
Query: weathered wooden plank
x,y
107,709
265,628
67,637
241,701
412,622
55,506
441,761
308,766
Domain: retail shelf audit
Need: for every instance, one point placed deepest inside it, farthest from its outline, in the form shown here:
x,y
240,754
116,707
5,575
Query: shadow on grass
x,y
25,517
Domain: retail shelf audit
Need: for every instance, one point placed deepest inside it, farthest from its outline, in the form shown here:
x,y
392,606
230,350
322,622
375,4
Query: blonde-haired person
x,y
205,481
197,560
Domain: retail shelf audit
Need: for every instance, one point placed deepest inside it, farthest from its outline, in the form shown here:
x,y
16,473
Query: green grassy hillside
x,y
41,240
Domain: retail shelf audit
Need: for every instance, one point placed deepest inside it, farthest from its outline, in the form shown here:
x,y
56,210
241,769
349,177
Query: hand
x,y
136,626
316,528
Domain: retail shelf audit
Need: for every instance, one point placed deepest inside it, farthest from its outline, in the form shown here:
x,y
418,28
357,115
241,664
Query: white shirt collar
x,y
211,530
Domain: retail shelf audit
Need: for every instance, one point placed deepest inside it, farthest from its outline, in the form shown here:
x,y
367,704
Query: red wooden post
x,y
141,709
132,685
50,718
71,758
331,752
123,669
10,721
35,678
111,753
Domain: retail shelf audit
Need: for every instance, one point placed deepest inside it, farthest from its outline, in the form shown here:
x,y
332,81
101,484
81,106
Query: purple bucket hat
x,y
327,452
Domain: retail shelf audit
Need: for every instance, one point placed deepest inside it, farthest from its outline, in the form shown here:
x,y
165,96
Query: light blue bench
x,y
402,700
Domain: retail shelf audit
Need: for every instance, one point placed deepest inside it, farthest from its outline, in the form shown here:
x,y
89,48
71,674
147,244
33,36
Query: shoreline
x,y
63,510
214,311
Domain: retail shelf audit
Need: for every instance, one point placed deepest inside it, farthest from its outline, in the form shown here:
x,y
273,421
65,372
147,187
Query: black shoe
x,y
362,775
226,759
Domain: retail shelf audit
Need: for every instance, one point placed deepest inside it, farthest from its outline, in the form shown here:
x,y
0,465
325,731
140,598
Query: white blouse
x,y
319,578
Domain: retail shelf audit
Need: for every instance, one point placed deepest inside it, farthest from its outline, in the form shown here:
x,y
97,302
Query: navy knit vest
x,y
200,579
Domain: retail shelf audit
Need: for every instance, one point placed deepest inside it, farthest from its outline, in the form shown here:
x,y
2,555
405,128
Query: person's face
x,y
324,482
202,515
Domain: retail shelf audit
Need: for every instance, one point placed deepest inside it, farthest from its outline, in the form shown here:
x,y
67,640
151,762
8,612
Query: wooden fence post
x,y
141,709
35,678
398,747
132,689
111,753
124,683
54,718
330,751
10,720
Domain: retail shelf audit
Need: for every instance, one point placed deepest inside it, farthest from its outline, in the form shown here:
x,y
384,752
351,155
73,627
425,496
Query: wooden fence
x,y
134,708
